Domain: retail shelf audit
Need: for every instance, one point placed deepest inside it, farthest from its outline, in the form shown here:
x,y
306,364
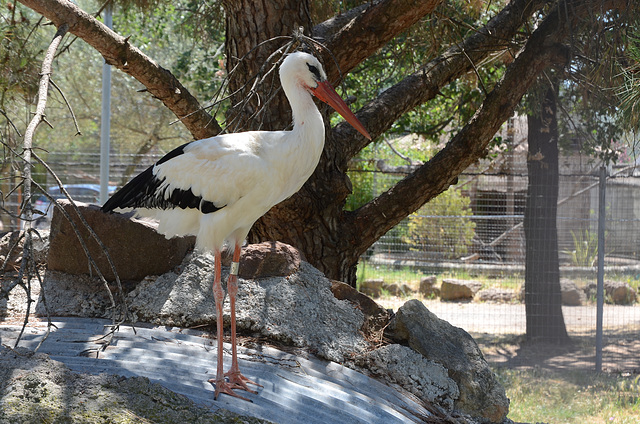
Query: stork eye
x,y
316,73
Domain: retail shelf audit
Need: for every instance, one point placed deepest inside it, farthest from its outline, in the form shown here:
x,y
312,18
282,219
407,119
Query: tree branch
x,y
543,48
360,32
27,266
424,84
117,51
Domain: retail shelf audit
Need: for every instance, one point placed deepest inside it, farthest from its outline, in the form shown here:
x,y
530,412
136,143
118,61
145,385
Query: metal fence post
x,y
105,120
600,289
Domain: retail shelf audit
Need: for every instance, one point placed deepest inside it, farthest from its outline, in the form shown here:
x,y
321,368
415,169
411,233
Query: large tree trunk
x,y
248,24
542,269
314,220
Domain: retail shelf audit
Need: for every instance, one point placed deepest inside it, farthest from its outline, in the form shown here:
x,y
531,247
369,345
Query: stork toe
x,y
226,387
239,381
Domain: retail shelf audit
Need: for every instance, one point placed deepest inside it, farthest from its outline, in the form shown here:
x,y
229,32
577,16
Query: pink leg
x,y
235,378
221,385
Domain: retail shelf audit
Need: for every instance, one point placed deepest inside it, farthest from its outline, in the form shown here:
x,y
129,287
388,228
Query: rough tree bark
x,y
330,237
543,300
314,220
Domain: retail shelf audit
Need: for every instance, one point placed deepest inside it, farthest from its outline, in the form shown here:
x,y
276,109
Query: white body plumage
x,y
217,188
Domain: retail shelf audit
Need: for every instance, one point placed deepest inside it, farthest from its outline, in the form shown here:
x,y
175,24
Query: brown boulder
x,y
267,259
452,289
496,295
620,292
571,294
428,286
135,247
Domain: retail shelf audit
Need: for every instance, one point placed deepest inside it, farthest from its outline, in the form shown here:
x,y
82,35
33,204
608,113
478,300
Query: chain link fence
x,y
472,235
79,172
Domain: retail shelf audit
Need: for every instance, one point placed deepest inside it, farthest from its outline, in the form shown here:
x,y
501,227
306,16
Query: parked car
x,y
85,193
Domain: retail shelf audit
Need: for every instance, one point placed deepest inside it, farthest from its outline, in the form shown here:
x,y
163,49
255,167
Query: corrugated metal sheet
x,y
296,390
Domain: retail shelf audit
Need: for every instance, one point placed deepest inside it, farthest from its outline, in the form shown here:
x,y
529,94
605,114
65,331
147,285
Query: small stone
x,y
452,289
428,287
496,295
372,287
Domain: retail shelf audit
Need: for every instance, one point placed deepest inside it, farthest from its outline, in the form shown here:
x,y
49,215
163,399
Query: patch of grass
x,y
388,274
571,396
412,276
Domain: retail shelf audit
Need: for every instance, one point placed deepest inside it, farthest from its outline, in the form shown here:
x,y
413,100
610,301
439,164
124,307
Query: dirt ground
x,y
499,330
619,354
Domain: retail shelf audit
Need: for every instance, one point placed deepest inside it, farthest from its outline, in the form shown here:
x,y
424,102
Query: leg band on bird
x,y
235,266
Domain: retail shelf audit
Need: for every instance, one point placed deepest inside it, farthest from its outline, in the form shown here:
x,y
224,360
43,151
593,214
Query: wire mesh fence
x,y
471,240
480,244
79,172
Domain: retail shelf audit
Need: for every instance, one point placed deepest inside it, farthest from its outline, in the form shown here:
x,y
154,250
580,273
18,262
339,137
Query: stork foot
x,y
239,381
226,387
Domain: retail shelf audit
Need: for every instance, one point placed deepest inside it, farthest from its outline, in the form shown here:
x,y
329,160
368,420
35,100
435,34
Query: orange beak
x,y
325,92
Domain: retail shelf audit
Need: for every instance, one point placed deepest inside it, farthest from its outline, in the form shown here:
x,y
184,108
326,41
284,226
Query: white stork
x,y
216,188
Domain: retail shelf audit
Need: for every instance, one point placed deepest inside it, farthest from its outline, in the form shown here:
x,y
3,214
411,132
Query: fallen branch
x,y
27,266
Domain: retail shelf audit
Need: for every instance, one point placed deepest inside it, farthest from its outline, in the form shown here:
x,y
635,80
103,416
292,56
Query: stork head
x,y
308,73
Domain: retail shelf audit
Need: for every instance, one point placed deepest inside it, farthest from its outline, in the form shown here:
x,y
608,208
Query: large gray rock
x,y
299,310
404,366
135,247
481,395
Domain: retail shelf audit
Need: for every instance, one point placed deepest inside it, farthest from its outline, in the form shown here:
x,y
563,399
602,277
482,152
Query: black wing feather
x,y
144,191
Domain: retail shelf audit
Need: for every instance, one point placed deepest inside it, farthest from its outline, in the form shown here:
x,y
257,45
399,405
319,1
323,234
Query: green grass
x,y
388,274
567,397
412,276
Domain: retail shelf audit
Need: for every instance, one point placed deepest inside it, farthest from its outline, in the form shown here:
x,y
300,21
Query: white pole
x,y
105,125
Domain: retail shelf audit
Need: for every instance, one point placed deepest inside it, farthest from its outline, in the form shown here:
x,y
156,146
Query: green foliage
x,y
443,225
585,248
629,90
405,54
166,31
368,182
19,65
